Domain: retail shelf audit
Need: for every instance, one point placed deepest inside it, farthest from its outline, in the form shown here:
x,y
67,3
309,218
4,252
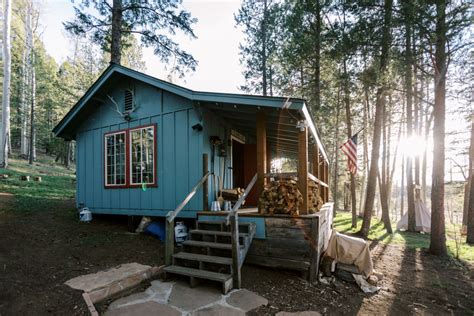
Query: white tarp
x,y
422,216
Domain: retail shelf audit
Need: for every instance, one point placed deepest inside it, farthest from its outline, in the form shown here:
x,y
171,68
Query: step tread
x,y
221,222
202,274
215,232
203,258
208,244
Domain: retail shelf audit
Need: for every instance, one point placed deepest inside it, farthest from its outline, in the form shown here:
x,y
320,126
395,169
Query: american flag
x,y
350,149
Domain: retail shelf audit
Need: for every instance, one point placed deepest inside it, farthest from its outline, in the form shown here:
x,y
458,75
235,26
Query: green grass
x,y
342,223
56,185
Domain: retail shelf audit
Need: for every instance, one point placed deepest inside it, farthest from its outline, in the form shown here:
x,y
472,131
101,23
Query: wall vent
x,y
128,101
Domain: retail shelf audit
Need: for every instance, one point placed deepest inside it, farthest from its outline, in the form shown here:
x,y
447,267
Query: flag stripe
x,y
350,149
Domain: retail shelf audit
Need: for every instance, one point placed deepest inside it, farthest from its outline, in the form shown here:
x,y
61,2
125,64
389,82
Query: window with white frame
x,y
130,158
142,155
115,159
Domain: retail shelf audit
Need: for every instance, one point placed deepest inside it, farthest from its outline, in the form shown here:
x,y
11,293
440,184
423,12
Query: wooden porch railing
x,y
172,215
233,219
295,174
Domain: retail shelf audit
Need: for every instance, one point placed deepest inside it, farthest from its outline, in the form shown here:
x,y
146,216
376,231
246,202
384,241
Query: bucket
x,y
227,206
180,233
215,206
85,215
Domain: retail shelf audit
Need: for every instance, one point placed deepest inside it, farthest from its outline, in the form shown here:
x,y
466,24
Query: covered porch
x,y
259,139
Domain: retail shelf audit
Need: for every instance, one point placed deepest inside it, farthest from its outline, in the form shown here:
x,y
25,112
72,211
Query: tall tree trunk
x,y
379,108
32,146
438,235
116,44
349,135
407,6
383,180
365,158
67,159
470,196
336,153
264,48
5,129
23,106
317,55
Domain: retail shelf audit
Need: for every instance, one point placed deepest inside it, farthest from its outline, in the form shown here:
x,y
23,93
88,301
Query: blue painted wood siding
x,y
179,153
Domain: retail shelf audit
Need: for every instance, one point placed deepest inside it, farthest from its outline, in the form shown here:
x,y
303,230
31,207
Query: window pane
x,y
115,159
142,150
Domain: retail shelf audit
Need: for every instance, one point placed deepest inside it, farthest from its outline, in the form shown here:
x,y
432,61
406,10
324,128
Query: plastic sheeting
x,y
422,216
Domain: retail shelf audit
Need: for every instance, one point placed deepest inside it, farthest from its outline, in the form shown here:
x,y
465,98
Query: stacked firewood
x,y
232,194
284,197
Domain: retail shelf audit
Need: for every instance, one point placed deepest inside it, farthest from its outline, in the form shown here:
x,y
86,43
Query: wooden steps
x,y
217,233
207,255
225,279
202,258
205,244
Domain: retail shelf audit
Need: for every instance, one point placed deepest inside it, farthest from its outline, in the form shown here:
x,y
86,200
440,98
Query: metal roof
x,y
239,107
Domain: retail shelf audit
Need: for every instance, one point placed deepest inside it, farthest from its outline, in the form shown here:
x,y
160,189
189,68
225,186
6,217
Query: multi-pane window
x,y
142,152
130,157
115,159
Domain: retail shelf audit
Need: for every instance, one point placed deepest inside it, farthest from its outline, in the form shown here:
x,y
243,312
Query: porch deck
x,y
284,241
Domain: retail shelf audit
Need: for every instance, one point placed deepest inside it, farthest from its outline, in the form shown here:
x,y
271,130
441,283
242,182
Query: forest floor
x,y
42,245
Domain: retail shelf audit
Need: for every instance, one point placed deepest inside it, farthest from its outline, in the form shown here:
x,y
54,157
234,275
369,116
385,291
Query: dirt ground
x,y
40,250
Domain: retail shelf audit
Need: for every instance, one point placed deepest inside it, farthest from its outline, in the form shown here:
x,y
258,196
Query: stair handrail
x,y
242,198
172,214
233,219
169,246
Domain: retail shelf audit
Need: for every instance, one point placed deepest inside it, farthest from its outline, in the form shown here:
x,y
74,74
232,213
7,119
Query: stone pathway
x,y
177,298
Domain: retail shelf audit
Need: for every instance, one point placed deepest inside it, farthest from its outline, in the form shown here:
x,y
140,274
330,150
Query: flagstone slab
x,y
189,299
246,300
106,283
219,310
160,291
93,281
131,299
149,308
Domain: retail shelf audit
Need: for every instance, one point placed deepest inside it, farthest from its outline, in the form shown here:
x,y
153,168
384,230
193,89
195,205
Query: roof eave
x,y
312,127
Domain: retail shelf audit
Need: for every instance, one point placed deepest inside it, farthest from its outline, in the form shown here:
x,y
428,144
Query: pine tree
x,y
5,127
111,24
259,22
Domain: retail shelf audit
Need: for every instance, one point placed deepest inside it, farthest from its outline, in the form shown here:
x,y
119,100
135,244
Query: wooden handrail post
x,y
303,168
169,245
261,152
205,190
234,229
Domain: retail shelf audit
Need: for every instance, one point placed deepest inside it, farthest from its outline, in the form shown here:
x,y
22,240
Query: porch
x,y
256,137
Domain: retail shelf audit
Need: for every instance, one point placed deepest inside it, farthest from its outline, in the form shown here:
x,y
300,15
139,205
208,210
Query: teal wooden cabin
x,y
148,147
175,125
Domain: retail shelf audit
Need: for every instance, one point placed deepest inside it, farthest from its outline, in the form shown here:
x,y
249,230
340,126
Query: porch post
x,y
315,166
269,160
326,180
321,177
261,153
316,161
303,168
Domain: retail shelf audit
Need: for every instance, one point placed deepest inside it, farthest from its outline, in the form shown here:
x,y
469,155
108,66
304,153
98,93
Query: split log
x,y
283,197
232,194
37,179
3,176
25,178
